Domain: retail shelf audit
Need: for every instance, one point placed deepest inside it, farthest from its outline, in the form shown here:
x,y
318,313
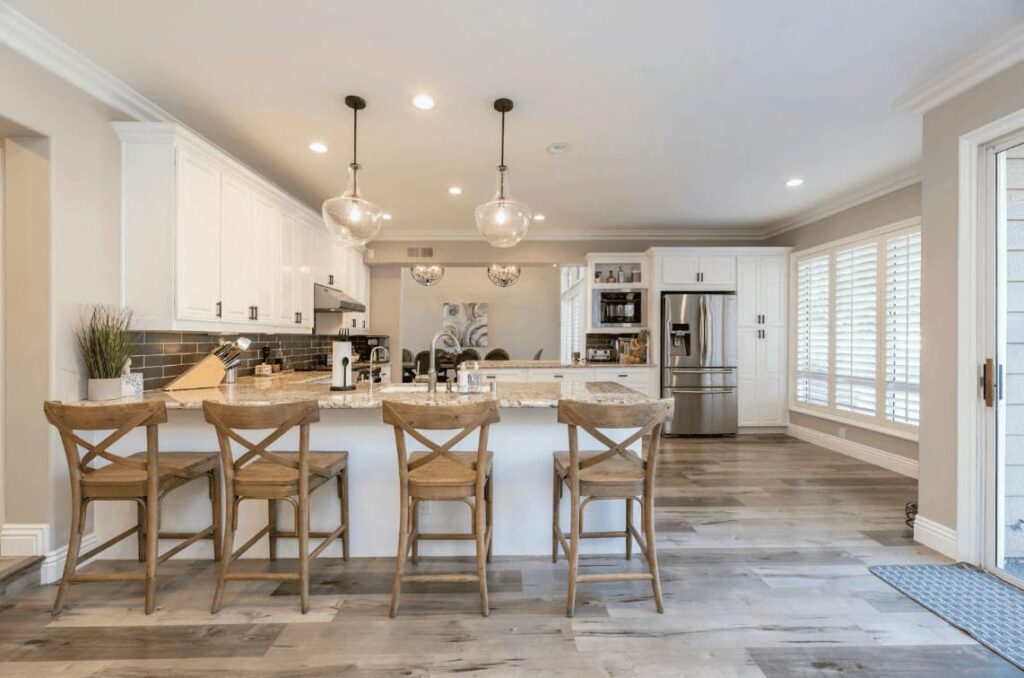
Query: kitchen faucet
x,y
373,352
432,372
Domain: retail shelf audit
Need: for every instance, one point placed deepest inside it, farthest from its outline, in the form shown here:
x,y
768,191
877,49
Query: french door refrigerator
x,y
698,368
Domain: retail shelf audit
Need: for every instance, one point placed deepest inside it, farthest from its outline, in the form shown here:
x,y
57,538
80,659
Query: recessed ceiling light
x,y
558,148
318,147
539,217
386,216
424,102
794,182
455,190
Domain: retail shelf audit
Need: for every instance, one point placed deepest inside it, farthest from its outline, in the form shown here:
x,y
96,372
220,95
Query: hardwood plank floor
x,y
764,541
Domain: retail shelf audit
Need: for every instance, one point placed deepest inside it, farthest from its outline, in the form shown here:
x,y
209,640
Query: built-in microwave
x,y
619,308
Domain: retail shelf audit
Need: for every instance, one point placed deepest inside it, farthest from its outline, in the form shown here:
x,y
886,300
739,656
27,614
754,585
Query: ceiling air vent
x,y
419,253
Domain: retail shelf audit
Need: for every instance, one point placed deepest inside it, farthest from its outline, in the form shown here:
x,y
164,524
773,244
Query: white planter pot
x,y
104,389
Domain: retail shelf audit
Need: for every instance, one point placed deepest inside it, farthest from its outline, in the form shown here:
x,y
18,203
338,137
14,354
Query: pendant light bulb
x,y
503,221
349,217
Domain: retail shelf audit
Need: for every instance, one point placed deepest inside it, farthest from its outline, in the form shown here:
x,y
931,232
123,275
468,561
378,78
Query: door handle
x,y
702,391
988,382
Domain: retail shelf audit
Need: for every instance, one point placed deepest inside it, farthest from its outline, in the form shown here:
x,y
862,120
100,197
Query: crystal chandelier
x,y
427,276
503,221
349,217
503,275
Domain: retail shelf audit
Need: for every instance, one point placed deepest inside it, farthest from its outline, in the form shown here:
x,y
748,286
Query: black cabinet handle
x,y
330,279
220,309
255,312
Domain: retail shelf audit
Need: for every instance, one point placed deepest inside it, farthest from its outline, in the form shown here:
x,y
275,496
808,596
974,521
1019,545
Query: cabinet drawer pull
x,y
220,309
623,376
330,279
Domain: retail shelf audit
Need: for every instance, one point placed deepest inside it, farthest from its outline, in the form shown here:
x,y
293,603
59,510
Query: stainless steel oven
x,y
619,308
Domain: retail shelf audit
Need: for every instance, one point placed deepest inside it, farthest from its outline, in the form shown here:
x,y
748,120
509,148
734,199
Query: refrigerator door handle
x,y
703,330
702,391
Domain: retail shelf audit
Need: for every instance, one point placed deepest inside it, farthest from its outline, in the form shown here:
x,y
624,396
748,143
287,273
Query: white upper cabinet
x,y
198,243
699,271
761,288
242,249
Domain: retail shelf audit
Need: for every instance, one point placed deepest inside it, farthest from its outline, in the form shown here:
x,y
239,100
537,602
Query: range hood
x,y
329,300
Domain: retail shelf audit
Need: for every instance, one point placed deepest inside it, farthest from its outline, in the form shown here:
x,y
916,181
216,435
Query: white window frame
x,y
878,422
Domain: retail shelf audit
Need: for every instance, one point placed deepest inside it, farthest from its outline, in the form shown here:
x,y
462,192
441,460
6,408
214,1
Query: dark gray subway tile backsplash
x,y
161,355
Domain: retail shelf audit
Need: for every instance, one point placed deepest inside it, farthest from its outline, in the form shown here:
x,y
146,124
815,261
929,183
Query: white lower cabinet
x,y
762,376
573,374
500,375
637,378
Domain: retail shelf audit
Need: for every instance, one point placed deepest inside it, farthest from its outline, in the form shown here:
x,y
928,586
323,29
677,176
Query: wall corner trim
x,y
935,536
865,453
31,539
996,56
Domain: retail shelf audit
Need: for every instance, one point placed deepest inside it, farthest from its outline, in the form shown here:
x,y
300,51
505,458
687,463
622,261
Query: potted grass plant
x,y
105,342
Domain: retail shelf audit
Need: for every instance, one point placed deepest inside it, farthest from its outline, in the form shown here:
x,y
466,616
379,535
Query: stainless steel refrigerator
x,y
698,362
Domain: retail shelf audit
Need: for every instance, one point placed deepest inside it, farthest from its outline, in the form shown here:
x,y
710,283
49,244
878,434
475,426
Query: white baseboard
x,y
871,455
32,539
935,536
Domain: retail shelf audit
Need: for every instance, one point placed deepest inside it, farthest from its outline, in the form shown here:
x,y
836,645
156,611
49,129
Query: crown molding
x,y
36,44
846,201
965,74
563,234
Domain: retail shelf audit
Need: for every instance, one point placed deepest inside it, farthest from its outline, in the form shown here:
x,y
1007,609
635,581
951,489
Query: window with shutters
x,y
572,334
903,328
812,328
857,329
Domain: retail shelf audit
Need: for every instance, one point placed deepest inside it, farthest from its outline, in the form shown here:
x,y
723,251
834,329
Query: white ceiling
x,y
682,115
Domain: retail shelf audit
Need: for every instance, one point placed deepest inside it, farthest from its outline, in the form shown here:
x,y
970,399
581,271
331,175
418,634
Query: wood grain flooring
x,y
765,543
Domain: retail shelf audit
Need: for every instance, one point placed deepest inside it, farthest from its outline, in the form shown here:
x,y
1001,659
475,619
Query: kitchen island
x,y
522,444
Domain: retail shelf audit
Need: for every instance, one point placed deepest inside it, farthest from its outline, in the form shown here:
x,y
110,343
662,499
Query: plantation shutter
x,y
856,328
812,329
903,328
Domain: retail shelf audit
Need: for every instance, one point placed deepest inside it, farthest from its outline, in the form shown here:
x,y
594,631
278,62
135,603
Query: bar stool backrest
x,y
229,419
409,419
646,418
121,419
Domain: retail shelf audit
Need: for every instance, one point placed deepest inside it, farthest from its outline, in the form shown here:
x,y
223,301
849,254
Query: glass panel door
x,y
1003,377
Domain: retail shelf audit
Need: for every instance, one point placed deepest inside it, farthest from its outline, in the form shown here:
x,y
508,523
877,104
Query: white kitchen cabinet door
x,y
680,269
303,244
287,272
236,250
323,256
718,271
503,375
762,376
748,292
197,280
771,285
748,392
266,259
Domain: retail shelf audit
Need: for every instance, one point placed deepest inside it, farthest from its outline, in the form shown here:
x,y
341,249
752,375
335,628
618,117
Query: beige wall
x,y
993,99
887,209
882,211
80,265
386,311
522,318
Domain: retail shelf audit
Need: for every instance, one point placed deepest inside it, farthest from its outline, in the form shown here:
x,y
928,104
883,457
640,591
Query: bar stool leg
x,y
574,551
231,525
343,498
216,511
140,536
629,537
489,534
479,527
272,525
403,550
74,546
152,539
303,520
652,549
556,503
414,528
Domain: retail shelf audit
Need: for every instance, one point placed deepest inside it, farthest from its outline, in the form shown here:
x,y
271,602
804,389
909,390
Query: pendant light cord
x,y
501,167
355,149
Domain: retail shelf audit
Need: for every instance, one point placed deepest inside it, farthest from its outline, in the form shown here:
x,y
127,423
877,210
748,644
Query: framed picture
x,y
467,321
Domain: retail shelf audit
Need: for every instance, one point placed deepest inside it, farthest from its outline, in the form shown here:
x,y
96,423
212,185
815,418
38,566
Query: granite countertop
x,y
548,364
296,387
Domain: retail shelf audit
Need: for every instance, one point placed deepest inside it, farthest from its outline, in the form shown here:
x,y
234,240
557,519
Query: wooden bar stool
x,y
443,475
614,473
144,478
290,476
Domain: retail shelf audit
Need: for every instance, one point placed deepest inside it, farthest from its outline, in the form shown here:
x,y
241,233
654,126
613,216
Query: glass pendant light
x,y
503,275
427,276
349,217
503,221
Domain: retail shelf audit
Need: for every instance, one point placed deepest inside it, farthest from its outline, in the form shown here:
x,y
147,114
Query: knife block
x,y
207,373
